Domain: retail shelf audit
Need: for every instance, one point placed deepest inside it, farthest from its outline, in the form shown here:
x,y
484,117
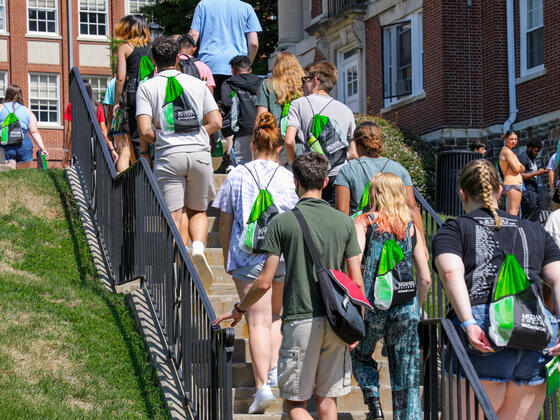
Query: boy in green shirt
x,y
307,334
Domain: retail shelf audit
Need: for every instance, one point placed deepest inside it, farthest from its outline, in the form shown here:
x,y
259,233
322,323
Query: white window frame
x,y
101,77
107,29
148,3
4,79
523,70
46,124
3,28
417,52
355,58
39,33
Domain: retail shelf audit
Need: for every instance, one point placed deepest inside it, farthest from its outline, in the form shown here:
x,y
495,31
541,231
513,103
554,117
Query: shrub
x,y
396,147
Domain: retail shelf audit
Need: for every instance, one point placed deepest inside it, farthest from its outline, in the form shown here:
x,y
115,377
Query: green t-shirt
x,y
335,237
357,173
267,97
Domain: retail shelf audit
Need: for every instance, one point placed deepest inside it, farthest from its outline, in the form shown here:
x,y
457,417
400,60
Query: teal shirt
x,y
357,173
267,97
335,240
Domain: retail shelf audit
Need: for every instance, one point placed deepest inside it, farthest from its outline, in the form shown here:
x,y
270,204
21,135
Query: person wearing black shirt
x,y
468,252
531,198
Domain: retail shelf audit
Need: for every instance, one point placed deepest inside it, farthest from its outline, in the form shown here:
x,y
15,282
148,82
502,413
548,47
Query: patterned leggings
x,y
398,326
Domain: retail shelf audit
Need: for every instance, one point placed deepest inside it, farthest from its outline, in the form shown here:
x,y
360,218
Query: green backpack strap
x,y
173,90
264,199
9,120
146,70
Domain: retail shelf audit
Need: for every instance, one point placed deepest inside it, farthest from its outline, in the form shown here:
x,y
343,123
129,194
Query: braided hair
x,y
479,179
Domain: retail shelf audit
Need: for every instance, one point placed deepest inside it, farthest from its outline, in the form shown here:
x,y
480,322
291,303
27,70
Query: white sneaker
x,y
264,398
272,377
202,267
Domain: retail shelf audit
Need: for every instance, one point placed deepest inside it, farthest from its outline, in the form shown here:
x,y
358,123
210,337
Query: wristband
x,y
236,308
468,322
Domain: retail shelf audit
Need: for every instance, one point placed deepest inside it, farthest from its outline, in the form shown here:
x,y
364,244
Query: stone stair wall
x,y
223,295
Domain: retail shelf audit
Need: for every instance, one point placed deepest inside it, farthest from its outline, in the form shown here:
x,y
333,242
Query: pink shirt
x,y
204,70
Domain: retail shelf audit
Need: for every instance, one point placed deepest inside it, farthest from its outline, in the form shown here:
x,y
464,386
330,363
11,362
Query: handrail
x,y
140,240
445,361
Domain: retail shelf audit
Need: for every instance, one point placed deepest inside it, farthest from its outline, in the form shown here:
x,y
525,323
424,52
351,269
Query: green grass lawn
x,y
69,349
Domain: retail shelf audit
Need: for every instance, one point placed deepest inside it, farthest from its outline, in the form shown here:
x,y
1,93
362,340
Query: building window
x,y
41,16
2,15
532,35
134,6
93,17
3,84
98,85
348,86
402,59
44,97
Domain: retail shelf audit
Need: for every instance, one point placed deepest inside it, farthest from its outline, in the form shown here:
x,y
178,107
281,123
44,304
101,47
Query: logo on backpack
x,y
188,65
326,138
180,114
11,133
262,213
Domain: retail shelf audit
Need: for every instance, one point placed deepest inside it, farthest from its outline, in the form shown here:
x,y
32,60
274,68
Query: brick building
x,y
449,71
41,40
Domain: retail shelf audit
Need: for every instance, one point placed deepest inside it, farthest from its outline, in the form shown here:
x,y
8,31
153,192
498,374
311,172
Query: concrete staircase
x,y
223,295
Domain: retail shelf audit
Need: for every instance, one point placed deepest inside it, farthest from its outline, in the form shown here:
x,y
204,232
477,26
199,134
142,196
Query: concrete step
x,y
242,375
219,181
213,225
354,401
222,288
214,257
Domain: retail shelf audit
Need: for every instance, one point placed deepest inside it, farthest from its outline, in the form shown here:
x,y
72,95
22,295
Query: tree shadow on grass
x,y
85,267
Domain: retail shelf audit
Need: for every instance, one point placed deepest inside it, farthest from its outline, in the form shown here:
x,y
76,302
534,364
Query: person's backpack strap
x,y
310,245
322,109
257,181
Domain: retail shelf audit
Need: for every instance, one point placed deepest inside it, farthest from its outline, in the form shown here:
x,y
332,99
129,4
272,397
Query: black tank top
x,y
133,60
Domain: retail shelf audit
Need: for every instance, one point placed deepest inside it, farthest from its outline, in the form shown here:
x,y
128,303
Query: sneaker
x,y
264,398
202,267
272,377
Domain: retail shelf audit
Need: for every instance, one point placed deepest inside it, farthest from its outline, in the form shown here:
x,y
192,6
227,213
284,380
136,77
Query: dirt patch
x,y
38,204
8,269
10,253
84,405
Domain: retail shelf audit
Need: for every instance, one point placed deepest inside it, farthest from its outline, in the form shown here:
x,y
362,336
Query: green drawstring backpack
x,y
517,315
325,138
394,281
146,70
11,133
283,121
179,112
262,213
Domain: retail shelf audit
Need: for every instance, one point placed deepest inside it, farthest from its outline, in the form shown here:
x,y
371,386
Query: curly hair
x,y
369,137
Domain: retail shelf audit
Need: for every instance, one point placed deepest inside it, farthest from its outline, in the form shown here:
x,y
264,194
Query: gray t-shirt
x,y
357,172
149,101
303,109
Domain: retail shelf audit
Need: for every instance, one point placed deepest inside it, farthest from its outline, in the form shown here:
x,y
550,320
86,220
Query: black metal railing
x,y
452,389
436,302
141,240
337,6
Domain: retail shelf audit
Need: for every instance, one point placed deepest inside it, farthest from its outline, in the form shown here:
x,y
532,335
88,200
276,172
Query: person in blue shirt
x,y
226,28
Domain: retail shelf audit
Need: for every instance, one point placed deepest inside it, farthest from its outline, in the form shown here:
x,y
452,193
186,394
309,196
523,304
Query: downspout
x,y
469,4
70,40
511,66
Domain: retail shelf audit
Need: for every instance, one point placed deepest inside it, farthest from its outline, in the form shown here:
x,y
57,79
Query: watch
x,y
236,308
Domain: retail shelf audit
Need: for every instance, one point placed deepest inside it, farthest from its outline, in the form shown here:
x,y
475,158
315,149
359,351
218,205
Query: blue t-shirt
x,y
109,95
20,110
223,26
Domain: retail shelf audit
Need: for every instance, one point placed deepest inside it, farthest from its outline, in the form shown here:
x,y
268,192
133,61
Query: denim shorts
x,y
251,272
21,153
505,365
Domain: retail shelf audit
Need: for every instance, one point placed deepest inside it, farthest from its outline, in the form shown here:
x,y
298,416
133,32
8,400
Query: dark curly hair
x,y
164,51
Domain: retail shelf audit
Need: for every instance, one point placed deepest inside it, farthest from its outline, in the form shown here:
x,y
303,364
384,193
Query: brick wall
x,y
316,8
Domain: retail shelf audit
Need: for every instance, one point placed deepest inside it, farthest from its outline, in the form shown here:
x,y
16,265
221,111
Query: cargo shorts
x,y
313,359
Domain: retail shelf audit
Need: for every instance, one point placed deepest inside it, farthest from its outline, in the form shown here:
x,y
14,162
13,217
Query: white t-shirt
x,y
149,101
552,226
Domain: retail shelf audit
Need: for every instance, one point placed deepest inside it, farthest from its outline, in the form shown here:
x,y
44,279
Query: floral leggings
x,y
398,326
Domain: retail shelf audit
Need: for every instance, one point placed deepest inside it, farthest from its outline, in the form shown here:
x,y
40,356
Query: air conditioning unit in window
x,y
404,87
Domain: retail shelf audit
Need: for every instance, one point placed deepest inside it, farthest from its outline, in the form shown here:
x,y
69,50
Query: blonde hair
x,y
387,197
479,180
286,78
134,30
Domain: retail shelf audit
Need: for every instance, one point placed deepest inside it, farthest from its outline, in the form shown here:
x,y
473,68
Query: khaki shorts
x,y
186,179
313,359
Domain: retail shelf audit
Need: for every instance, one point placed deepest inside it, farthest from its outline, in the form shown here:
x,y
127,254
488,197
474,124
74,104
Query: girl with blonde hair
x,y
389,219
277,92
469,252
133,32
